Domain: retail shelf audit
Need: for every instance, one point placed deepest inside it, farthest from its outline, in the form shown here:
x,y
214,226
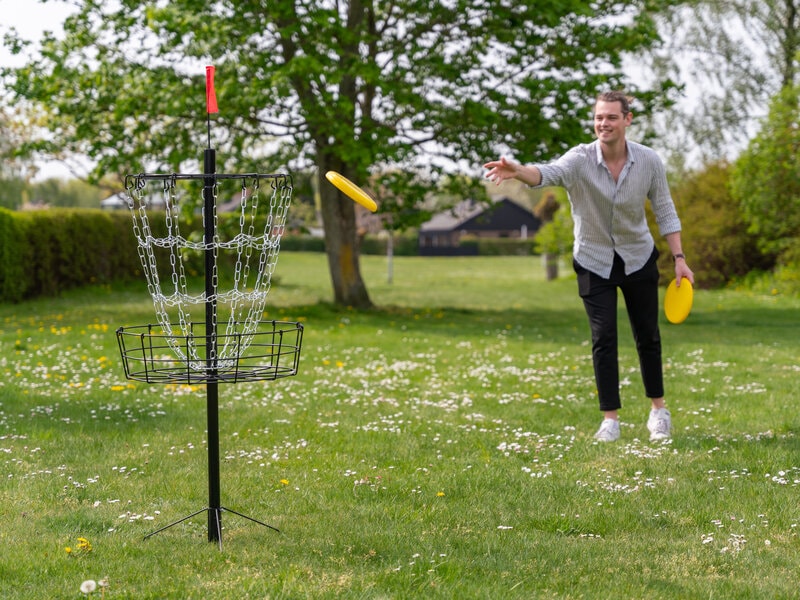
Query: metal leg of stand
x,y
215,520
251,519
186,518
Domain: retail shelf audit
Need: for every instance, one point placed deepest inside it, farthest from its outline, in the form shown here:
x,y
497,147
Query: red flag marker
x,y
211,95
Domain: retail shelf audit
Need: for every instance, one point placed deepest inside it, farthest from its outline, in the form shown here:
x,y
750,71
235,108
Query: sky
x,y
31,18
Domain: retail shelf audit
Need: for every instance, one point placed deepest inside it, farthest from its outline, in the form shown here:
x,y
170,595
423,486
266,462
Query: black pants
x,y
640,290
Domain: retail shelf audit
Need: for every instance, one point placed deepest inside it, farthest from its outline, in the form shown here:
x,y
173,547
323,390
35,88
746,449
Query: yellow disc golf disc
x,y
678,301
349,188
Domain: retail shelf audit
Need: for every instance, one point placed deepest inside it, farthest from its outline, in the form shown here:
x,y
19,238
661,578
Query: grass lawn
x,y
438,446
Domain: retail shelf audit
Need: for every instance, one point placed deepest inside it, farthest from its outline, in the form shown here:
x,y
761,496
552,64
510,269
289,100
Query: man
x,y
609,181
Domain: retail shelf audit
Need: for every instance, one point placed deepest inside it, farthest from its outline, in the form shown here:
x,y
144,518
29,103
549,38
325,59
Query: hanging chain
x,y
246,299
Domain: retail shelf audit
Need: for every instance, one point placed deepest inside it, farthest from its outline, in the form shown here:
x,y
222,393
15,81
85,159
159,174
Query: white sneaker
x,y
608,432
660,424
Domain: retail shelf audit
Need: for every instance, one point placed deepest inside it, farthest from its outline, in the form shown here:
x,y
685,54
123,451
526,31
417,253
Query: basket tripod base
x,y
214,523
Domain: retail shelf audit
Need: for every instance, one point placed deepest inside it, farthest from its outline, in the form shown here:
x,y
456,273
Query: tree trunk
x,y
390,257
341,244
550,266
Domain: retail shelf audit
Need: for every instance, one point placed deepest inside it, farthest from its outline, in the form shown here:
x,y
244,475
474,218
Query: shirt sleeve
x,y
561,172
661,200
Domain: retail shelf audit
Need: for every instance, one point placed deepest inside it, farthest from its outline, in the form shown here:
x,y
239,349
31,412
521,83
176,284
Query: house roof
x,y
115,201
470,215
452,218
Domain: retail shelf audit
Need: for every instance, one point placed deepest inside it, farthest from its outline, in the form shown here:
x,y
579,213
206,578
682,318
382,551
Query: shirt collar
x,y
632,152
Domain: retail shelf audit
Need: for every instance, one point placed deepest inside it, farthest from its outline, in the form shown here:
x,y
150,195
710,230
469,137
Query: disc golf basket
x,y
213,331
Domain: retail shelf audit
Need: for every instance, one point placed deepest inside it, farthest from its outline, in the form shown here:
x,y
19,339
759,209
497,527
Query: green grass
x,y
439,446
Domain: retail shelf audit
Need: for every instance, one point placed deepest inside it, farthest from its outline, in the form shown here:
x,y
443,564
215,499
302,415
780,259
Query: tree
x,y
15,172
354,86
738,54
555,238
766,178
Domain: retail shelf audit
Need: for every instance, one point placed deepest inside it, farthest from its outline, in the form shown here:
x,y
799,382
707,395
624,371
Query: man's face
x,y
609,122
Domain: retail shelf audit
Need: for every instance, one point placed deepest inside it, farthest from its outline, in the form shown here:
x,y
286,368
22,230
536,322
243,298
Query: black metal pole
x,y
212,387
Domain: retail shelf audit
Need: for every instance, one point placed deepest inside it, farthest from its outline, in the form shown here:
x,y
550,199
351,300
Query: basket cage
x,y
148,354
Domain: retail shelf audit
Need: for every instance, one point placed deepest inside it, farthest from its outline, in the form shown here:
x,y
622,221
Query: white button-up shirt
x,y
609,216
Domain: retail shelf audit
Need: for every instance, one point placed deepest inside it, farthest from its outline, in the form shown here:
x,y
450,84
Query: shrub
x,y
714,235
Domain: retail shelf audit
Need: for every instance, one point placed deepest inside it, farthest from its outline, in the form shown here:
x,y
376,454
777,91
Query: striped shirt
x,y
610,216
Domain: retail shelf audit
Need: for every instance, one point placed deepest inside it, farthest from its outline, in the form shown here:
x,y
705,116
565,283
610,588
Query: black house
x,y
441,236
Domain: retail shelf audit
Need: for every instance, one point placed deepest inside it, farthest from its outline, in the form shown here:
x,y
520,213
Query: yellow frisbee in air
x,y
355,193
678,301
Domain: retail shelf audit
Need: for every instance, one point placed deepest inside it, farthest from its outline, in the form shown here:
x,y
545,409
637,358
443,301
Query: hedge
x,y
48,251
45,252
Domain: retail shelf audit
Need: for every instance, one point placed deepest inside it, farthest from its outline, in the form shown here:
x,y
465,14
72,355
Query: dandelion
x,y
68,550
439,494
84,544
284,481
88,586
